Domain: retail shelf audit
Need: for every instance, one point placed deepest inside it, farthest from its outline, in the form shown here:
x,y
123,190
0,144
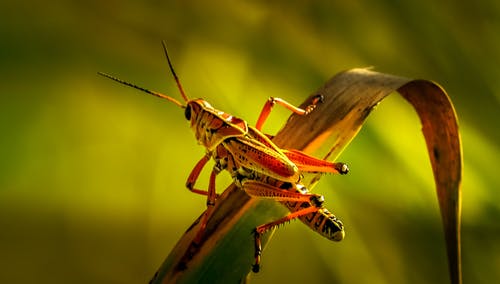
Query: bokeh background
x,y
92,173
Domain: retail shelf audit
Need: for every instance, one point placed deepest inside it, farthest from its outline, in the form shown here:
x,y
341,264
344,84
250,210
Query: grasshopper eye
x,y
187,113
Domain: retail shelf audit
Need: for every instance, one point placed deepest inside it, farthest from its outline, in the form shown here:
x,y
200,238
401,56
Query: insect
x,y
257,165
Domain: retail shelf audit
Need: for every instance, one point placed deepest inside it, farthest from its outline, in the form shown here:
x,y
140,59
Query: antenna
x,y
179,86
160,95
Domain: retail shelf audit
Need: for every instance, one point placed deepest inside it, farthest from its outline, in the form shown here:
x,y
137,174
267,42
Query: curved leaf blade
x,y
440,128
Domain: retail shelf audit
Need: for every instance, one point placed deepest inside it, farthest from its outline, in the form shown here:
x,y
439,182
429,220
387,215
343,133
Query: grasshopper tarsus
x,y
319,98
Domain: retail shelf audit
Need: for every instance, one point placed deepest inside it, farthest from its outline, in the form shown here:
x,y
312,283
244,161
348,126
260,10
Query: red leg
x,y
211,197
266,110
307,163
260,230
264,190
195,173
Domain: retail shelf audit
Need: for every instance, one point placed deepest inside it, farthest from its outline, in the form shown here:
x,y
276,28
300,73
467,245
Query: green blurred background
x,y
92,173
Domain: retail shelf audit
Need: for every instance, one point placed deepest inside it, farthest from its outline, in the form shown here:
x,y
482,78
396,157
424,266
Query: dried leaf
x,y
226,252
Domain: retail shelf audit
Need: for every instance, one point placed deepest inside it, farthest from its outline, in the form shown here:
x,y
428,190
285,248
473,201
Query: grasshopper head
x,y
194,107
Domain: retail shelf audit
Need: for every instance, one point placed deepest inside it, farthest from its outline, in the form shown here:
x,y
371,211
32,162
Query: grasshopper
x,y
256,164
